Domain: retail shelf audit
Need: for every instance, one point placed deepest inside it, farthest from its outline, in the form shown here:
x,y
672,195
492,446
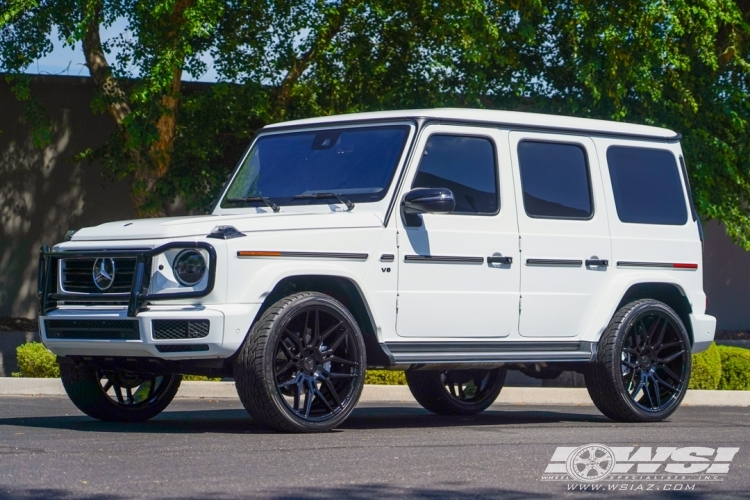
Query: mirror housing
x,y
426,201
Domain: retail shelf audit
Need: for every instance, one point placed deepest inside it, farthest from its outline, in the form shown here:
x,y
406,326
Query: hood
x,y
199,226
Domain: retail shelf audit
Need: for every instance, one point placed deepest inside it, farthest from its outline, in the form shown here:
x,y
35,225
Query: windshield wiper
x,y
264,199
323,196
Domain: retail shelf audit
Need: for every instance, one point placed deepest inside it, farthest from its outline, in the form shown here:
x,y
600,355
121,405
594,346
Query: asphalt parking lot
x,y
211,449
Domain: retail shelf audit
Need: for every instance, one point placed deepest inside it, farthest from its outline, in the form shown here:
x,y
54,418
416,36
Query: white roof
x,y
504,118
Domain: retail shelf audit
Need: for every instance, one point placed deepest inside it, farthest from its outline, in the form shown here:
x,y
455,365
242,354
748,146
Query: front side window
x,y
647,186
466,166
555,180
355,163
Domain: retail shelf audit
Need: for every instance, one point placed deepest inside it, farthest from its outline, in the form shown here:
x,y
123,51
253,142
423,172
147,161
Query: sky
x,y
71,62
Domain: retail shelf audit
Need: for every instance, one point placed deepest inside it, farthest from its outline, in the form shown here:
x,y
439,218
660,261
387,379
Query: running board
x,y
489,352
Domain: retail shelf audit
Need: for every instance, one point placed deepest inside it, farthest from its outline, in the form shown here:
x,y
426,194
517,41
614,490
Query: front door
x,y
565,243
459,272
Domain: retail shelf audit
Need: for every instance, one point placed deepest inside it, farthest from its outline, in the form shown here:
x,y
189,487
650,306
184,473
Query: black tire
x,y
306,345
87,389
456,392
643,363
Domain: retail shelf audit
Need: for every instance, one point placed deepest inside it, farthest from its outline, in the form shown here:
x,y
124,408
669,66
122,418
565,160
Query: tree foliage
x,y
682,64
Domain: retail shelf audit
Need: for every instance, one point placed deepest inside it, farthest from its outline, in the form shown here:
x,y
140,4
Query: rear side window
x,y
555,180
466,166
647,186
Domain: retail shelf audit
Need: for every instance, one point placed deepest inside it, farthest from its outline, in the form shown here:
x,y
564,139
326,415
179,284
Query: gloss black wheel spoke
x,y
338,359
328,332
665,384
671,357
332,390
669,372
294,337
107,386
323,361
660,338
288,365
118,393
342,375
653,361
336,343
668,345
323,399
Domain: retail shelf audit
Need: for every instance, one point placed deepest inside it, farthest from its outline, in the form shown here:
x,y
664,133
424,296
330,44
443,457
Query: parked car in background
x,y
455,244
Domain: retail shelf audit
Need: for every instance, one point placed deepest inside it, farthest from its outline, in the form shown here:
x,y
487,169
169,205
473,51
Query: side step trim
x,y
491,352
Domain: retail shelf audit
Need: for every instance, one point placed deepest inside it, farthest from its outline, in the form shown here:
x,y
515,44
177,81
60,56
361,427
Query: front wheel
x,y
456,392
117,395
302,368
643,364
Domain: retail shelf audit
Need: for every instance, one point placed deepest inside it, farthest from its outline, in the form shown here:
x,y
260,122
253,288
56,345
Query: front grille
x,y
92,329
180,329
182,348
77,276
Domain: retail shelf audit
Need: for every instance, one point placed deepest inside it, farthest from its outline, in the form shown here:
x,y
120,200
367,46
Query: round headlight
x,y
189,267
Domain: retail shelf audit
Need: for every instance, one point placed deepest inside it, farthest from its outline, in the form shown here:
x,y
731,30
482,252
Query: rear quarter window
x,y
647,186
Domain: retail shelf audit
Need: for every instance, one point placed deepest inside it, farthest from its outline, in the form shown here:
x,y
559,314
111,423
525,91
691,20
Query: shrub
x,y
735,368
706,369
35,360
200,378
385,377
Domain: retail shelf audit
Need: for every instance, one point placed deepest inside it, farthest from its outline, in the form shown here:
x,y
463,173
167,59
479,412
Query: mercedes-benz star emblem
x,y
104,273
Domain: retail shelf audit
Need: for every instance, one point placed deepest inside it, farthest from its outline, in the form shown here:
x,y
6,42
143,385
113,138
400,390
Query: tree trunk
x,y
147,170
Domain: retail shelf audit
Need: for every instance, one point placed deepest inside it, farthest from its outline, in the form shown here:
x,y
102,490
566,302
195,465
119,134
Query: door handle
x,y
597,262
499,260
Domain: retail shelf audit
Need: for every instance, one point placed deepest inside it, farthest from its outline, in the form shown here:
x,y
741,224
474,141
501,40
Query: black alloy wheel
x,y
302,367
643,364
456,392
117,395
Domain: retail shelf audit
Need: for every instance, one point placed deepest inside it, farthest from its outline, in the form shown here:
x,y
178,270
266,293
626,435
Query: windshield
x,y
355,163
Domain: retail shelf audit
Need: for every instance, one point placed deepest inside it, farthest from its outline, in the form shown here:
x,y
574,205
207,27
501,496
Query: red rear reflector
x,y
685,266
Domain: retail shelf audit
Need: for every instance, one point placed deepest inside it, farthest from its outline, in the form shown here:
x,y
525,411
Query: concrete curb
x,y
387,393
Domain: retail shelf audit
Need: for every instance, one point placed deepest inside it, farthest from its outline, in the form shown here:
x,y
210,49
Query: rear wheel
x,y
643,364
117,395
456,392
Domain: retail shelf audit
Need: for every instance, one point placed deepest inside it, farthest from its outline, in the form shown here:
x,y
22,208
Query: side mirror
x,y
426,201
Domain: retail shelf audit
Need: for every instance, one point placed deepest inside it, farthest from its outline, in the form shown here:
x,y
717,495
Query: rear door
x,y
452,282
565,243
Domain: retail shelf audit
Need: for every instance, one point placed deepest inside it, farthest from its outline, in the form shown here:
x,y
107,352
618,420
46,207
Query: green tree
x,y
682,64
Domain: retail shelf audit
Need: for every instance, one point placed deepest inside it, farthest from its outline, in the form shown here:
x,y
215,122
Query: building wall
x,y
43,193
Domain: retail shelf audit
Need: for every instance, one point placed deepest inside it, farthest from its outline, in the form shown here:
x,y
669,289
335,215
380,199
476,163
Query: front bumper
x,y
704,329
228,325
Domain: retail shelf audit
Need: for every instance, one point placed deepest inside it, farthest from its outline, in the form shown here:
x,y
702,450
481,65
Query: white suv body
x,y
527,272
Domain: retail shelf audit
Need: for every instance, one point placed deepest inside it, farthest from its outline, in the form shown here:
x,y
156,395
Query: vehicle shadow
x,y
368,492
230,421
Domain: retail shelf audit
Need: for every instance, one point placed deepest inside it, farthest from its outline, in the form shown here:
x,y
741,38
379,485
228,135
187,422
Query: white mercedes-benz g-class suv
x,y
454,244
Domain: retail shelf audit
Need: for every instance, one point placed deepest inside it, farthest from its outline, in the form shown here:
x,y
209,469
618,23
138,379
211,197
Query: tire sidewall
x,y
631,317
269,377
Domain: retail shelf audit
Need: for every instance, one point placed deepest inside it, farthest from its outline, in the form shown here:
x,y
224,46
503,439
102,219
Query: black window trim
x,y
683,185
495,157
588,179
686,181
